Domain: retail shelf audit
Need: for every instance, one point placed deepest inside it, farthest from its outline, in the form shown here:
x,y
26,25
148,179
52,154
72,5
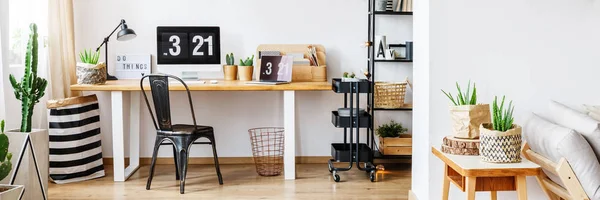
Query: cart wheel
x,y
336,177
372,176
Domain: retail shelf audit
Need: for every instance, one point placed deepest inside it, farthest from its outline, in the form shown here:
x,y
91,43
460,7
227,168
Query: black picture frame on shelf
x,y
399,49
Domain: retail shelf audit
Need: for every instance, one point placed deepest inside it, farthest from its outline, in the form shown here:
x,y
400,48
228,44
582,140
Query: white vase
x,y
30,162
11,192
380,47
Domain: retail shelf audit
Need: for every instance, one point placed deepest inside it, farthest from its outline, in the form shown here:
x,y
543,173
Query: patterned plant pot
x,y
467,119
91,74
500,147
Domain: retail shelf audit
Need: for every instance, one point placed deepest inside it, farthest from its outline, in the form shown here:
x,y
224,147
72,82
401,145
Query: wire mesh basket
x,y
267,149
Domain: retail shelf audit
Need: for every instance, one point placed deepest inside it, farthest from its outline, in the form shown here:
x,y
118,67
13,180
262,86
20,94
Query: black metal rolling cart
x,y
352,151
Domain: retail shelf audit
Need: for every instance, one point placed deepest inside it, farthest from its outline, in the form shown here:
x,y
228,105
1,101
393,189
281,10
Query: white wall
x,y
340,25
531,51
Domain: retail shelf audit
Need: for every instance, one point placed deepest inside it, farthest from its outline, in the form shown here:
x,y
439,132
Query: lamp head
x,y
125,33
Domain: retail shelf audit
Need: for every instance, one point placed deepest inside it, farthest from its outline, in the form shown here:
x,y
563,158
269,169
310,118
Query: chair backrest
x,y
159,87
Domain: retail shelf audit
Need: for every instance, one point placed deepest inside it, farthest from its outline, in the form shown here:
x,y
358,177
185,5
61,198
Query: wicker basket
x,y
390,95
500,147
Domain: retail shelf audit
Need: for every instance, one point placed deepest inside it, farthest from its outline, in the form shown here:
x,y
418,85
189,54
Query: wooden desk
x,y
119,87
470,174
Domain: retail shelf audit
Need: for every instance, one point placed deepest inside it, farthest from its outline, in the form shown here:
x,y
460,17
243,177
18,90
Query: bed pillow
x,y
580,122
555,142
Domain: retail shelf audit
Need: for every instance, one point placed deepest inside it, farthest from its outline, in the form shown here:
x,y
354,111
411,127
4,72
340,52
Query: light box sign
x,y
133,66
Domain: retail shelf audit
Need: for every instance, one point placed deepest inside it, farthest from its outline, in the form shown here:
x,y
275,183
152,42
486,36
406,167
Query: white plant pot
x,y
10,192
29,162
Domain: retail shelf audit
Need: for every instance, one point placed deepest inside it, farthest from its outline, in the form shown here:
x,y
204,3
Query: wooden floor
x,y
241,182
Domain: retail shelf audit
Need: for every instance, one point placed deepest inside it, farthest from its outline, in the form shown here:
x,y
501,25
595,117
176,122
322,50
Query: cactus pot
x,y
245,72
467,118
30,159
91,74
230,72
10,192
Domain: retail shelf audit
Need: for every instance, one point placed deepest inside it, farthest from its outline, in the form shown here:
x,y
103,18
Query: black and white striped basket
x,y
500,147
75,140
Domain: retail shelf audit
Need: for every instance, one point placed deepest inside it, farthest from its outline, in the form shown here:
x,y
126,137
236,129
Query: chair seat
x,y
189,129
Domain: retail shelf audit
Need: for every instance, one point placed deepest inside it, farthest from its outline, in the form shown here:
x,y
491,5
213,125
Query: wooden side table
x,y
470,174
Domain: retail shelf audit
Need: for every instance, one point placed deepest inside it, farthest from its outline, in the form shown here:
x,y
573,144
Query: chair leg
x,y
154,155
182,159
175,159
214,147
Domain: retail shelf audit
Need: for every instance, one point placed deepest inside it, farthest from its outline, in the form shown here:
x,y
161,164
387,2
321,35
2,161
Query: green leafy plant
x,y
89,57
229,59
5,156
249,61
391,129
502,118
349,76
468,98
31,88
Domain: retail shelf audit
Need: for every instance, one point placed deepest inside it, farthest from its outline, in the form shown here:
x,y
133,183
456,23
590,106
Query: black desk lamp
x,y
123,35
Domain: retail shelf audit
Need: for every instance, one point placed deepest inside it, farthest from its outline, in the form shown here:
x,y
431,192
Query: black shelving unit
x,y
351,151
371,65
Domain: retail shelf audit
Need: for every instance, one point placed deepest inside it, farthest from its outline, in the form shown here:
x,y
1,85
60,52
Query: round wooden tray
x,y
459,146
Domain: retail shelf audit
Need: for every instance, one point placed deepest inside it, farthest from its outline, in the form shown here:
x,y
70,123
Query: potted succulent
x,y
501,140
89,71
7,191
245,69
393,139
230,70
346,77
466,114
31,144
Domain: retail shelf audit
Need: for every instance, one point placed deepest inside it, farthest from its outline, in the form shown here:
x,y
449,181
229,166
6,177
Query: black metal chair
x,y
180,136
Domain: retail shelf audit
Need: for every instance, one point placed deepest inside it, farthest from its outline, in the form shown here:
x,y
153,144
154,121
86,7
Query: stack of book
x,y
404,6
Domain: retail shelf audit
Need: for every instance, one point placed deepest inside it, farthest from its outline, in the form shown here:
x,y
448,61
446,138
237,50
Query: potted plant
x,y
393,139
466,114
31,144
501,140
349,77
89,71
229,70
245,69
7,191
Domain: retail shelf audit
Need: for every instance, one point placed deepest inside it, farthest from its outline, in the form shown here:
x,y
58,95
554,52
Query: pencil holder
x,y
319,74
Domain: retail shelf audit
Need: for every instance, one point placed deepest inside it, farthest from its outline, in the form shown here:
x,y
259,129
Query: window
x,y
21,14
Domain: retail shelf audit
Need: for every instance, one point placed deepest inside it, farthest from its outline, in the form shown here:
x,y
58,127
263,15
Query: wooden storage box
x,y
396,146
300,73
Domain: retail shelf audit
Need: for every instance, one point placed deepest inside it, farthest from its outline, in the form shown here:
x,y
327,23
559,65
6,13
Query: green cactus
x,y
229,59
5,156
249,61
31,88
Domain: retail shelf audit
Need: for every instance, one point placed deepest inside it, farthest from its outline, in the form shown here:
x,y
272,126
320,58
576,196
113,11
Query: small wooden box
x,y
396,146
300,73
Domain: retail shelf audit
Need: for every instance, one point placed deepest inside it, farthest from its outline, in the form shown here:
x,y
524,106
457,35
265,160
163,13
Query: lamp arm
x,y
111,33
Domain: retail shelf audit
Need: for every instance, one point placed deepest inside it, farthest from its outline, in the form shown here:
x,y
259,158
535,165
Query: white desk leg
x,y
134,134
289,124
120,172
117,135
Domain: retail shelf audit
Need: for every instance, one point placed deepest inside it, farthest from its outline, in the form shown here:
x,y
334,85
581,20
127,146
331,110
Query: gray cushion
x,y
580,122
555,142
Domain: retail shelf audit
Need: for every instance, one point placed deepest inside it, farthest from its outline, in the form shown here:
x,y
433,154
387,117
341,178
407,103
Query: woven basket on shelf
x,y
390,94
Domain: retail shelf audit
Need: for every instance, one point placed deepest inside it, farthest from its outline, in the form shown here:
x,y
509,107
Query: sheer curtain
x,y
61,49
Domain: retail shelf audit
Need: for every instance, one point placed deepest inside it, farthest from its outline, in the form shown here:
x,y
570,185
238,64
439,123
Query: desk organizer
x,y
300,73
